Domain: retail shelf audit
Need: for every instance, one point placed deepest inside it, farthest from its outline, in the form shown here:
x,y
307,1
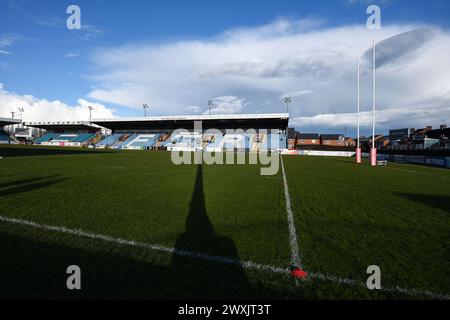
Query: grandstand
x,y
5,138
131,142
187,141
164,133
70,134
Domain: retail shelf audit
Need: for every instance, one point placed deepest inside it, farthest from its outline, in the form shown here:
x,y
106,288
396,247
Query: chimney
x,y
429,128
443,126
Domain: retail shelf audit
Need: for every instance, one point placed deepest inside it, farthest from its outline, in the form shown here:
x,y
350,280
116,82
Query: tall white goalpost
x,y
358,146
373,150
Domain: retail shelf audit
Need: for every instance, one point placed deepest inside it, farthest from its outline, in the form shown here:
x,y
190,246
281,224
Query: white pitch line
x,y
219,259
155,247
295,259
417,172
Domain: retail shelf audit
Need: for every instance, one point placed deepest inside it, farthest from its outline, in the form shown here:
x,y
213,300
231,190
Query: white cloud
x,y
194,109
303,58
8,40
36,109
87,31
90,32
72,55
400,117
227,105
296,94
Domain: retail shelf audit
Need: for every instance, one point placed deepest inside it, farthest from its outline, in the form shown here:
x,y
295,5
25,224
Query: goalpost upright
x,y
373,150
358,146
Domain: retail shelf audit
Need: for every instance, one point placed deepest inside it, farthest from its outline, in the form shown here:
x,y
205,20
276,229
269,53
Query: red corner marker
x,y
299,273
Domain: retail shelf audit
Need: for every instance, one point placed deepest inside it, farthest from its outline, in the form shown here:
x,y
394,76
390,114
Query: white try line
x,y
155,247
295,256
417,172
219,259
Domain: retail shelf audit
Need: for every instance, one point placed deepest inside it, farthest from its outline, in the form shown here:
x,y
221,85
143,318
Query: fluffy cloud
x,y
73,54
227,105
296,94
194,109
254,67
415,117
44,110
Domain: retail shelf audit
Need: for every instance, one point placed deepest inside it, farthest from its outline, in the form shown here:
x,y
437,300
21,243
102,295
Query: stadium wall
x,y
346,154
441,162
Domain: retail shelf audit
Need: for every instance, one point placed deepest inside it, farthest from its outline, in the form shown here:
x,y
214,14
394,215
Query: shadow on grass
x,y
36,268
28,151
227,280
439,202
23,181
27,185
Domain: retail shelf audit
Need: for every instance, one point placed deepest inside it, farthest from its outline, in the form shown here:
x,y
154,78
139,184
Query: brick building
x,y
337,140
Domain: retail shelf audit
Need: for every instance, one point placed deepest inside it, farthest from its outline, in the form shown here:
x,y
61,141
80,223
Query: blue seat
x,y
4,137
82,137
46,137
148,140
109,141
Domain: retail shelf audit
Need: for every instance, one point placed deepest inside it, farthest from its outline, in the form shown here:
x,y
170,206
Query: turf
x,y
347,218
397,217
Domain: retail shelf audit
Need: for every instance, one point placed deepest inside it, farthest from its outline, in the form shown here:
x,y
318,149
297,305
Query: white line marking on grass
x,y
295,259
113,167
155,247
417,172
397,289
219,259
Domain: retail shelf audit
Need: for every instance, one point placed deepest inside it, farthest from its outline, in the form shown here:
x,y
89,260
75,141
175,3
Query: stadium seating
x,y
276,141
109,141
161,141
260,142
4,137
142,141
83,137
188,141
240,142
65,137
216,143
46,137
185,141
128,138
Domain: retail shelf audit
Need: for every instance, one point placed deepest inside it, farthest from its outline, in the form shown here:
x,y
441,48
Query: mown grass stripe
x,y
213,258
295,259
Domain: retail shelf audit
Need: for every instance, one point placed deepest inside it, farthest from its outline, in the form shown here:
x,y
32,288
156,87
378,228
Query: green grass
x,y
347,218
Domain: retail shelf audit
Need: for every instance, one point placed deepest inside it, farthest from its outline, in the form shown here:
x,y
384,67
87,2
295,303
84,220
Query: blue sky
x,y
39,56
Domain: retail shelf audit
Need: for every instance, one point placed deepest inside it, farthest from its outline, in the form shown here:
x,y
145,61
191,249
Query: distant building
x,y
399,134
382,142
442,133
292,138
350,142
438,139
420,133
337,140
308,139
420,139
